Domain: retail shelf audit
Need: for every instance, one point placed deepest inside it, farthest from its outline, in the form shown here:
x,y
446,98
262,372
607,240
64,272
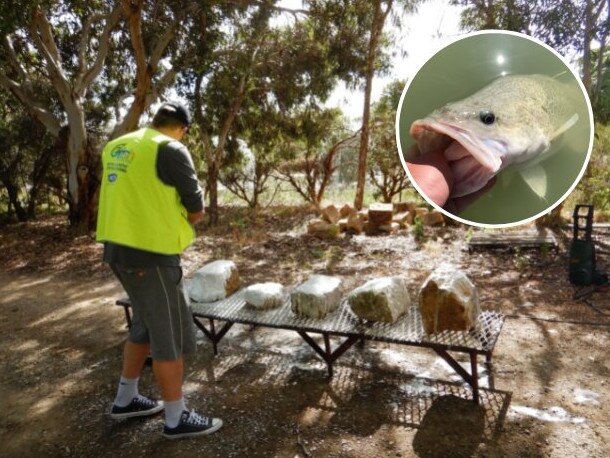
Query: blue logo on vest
x,y
112,177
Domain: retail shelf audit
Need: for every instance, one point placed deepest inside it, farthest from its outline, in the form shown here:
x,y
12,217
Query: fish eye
x,y
487,117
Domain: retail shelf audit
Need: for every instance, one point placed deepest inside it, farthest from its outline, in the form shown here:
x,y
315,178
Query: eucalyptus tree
x,y
582,26
385,170
90,57
27,155
362,24
318,135
262,62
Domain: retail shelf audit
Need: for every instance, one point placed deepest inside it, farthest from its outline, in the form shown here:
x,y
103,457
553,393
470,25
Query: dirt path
x,y
62,336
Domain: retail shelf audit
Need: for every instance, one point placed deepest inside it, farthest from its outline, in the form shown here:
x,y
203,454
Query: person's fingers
x,y
433,175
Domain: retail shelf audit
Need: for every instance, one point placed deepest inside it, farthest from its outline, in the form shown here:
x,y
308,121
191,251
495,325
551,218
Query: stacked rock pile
x,y
378,218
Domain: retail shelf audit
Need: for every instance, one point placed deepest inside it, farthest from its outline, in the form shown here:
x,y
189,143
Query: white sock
x,y
173,411
128,389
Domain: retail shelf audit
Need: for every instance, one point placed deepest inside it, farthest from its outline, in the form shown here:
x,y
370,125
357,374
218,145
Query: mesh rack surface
x,y
407,330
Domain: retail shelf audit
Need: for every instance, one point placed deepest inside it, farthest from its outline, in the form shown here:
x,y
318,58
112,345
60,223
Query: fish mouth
x,y
472,161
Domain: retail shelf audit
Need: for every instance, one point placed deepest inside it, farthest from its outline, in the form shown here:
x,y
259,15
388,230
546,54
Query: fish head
x,y
481,135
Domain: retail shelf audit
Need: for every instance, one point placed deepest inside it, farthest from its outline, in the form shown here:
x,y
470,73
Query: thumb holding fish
x,y
433,175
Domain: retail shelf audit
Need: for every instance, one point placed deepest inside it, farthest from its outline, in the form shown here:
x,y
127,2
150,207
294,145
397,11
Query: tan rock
x,y
330,214
433,218
342,224
347,210
322,229
382,299
355,223
420,211
448,301
364,213
389,228
402,218
380,214
403,207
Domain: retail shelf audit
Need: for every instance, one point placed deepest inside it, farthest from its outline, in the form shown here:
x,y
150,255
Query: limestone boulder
x,y
347,210
214,281
322,229
264,295
433,218
403,207
381,299
330,214
421,212
355,223
448,300
380,214
389,228
342,224
403,219
317,297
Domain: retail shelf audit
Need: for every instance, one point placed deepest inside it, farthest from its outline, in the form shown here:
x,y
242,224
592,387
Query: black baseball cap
x,y
177,111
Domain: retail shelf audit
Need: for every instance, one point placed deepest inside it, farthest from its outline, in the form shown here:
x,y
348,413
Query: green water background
x,y
470,64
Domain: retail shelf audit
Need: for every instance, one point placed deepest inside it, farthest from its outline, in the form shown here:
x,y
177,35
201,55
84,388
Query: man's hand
x,y
433,175
195,218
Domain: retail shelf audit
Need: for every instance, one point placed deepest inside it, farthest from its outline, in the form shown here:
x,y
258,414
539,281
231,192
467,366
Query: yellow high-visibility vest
x,y
136,208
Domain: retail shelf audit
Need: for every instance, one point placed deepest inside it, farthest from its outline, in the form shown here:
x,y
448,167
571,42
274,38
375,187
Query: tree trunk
x,y
13,196
212,185
586,54
377,28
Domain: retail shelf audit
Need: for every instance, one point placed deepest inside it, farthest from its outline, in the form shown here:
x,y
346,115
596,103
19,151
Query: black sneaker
x,y
192,424
140,406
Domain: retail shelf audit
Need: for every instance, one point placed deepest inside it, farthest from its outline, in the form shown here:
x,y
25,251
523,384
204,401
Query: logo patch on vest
x,y
121,154
112,177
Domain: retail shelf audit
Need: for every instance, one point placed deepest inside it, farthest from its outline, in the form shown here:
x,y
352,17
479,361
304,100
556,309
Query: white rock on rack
x,y
317,297
264,295
214,281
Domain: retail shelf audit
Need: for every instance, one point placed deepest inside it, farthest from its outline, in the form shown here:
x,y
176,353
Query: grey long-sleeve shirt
x,y
174,168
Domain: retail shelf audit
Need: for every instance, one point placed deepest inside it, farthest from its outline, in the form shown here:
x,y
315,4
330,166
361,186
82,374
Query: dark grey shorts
x,y
160,312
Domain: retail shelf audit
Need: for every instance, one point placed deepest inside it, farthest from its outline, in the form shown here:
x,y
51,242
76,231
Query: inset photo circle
x,y
495,129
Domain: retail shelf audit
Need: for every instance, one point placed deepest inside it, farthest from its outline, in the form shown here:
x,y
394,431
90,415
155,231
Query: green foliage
x,y
469,234
594,187
417,231
385,170
520,260
333,256
545,249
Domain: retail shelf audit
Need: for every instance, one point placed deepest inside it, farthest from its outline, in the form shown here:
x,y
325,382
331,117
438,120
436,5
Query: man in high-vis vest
x,y
149,200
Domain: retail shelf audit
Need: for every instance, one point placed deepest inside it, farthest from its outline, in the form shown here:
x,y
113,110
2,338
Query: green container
x,y
582,262
467,66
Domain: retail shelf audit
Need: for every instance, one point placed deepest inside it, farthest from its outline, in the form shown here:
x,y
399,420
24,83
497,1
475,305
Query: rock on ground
x,y
330,214
317,297
347,210
380,214
264,295
214,281
403,218
448,301
355,223
322,229
381,299
433,218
